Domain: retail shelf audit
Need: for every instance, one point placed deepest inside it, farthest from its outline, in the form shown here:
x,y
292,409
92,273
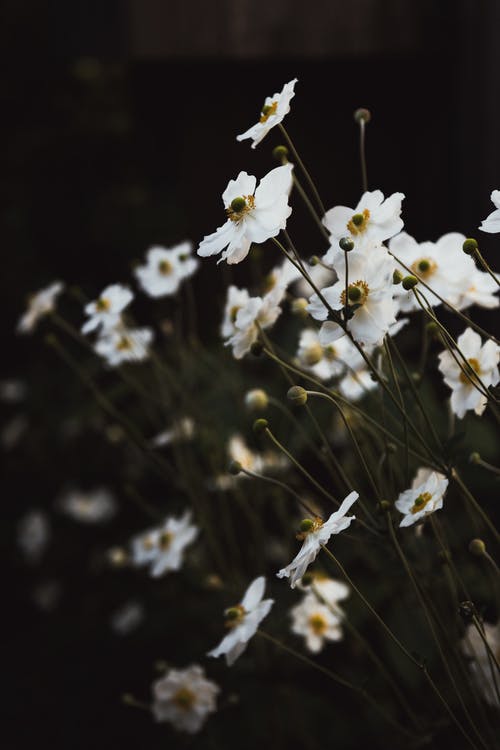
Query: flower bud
x,y
280,153
260,426
477,547
256,400
312,355
299,306
238,204
345,243
397,277
362,115
117,557
256,348
307,524
391,448
313,260
409,282
234,468
474,457
470,246
384,506
297,395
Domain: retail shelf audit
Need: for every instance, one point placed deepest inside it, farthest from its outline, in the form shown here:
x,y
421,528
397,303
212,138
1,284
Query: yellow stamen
x,y
238,215
424,267
184,698
475,366
420,502
267,111
102,304
317,523
318,623
234,615
354,296
359,222
124,344
165,267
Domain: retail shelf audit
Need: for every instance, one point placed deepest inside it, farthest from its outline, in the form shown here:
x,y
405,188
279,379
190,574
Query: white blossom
x,y
124,345
317,534
315,622
274,110
483,361
105,311
95,506
184,698
165,269
243,619
235,300
33,535
257,312
162,548
254,215
492,222
424,497
39,305
481,663
182,430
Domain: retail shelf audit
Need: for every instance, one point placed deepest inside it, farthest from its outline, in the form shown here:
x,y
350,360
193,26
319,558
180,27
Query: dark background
x,y
118,131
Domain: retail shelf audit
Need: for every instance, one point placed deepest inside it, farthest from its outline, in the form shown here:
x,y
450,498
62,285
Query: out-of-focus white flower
x,y
327,589
424,497
162,549
39,304
372,221
182,430
166,268
316,622
235,300
12,391
256,312
13,432
254,215
33,535
96,506
106,310
274,110
282,276
481,663
492,222
322,361
369,295
483,361
127,618
478,288
243,620
314,533
320,275
239,452
124,345
184,698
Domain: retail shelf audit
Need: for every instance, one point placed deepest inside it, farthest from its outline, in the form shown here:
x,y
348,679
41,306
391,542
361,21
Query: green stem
x,y
303,168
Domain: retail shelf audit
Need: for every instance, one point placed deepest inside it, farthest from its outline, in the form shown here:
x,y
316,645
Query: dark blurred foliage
x,y
103,159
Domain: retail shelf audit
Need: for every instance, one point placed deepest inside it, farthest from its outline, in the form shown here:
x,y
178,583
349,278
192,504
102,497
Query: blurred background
x,y
118,132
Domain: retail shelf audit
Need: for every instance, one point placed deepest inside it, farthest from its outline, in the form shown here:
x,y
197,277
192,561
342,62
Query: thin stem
x,y
283,486
472,500
303,168
362,154
400,395
310,207
486,267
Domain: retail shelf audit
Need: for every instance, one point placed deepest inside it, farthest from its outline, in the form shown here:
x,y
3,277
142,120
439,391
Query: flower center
x,y
234,615
474,365
240,206
102,304
268,110
124,344
184,698
329,353
359,222
165,267
318,623
312,355
420,502
309,526
357,293
424,267
165,540
148,543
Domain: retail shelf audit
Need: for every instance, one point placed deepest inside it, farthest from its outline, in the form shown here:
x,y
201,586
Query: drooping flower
x,y
95,506
315,622
492,222
315,533
184,698
166,268
369,297
162,549
124,345
243,619
424,497
254,215
274,110
105,311
483,362
481,663
372,221
39,304
257,312
33,535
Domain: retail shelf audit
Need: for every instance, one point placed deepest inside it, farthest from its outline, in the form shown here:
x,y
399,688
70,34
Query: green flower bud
x,y
362,115
470,246
345,243
297,395
313,260
477,547
307,524
238,204
256,400
260,426
409,282
474,457
234,468
384,506
397,277
280,153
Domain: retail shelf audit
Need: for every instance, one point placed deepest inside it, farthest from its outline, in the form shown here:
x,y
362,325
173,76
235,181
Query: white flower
x,y
184,698
124,345
478,288
282,276
481,664
238,451
256,312
483,360
96,506
374,220
182,430
162,548
165,269
316,622
369,294
327,589
316,533
236,299
243,620
33,535
127,618
320,276
274,110
492,222
105,311
39,304
254,215
424,497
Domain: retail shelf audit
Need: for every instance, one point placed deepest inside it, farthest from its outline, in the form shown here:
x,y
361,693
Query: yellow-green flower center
x,y
268,110
240,206
165,267
234,615
124,344
318,623
184,698
475,366
359,222
357,293
102,304
424,267
420,502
